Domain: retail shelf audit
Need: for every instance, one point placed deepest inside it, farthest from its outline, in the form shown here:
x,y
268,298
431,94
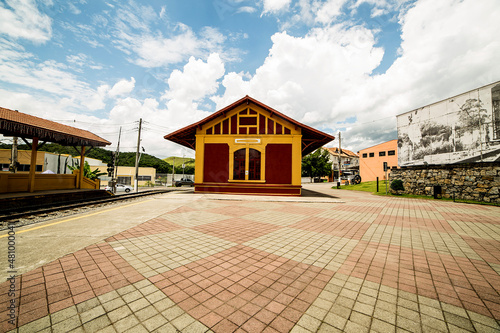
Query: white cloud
x,y
156,50
20,68
74,9
273,6
22,19
247,9
122,87
197,80
81,60
329,10
307,76
324,79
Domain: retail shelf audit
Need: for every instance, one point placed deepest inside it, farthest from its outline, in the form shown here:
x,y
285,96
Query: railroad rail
x,y
39,213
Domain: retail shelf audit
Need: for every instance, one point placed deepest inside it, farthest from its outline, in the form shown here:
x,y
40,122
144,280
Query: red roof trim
x,y
179,136
15,123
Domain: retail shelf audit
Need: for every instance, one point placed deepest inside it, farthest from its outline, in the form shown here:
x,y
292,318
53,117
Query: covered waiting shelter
x,y
25,126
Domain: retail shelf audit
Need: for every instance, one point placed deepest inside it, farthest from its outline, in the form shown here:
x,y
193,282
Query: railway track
x,y
39,213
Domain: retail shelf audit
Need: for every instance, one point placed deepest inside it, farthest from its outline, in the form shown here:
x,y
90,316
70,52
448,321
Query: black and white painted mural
x,y
461,129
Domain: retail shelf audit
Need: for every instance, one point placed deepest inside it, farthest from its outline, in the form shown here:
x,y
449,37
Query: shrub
x,y
397,185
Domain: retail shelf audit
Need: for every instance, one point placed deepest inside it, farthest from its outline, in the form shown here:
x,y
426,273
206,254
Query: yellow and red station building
x,y
249,148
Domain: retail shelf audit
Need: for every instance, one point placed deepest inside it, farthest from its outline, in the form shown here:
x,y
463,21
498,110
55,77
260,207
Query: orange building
x,y
248,147
371,160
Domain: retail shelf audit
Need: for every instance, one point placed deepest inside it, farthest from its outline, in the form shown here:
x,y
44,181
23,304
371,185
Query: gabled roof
x,y
312,139
343,152
15,123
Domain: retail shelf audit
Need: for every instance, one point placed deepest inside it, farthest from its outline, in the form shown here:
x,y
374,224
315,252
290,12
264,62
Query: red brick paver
x,y
369,264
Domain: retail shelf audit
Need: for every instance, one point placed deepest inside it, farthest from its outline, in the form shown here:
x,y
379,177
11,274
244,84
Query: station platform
x,y
24,200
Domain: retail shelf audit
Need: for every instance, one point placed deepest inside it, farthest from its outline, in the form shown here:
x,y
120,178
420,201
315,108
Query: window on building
x,y
365,155
381,153
239,164
144,178
372,154
124,180
391,152
254,164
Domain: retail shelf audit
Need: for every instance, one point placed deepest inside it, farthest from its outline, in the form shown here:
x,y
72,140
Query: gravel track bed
x,y
42,217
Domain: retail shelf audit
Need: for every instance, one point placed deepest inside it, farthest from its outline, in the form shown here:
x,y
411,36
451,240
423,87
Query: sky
x,y
346,66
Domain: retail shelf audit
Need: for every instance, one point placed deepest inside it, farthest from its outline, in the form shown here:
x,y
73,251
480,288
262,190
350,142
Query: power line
x,y
93,123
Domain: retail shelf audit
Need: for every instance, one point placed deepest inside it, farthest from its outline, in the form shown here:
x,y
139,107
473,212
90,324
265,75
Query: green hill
x,y
189,167
179,160
124,159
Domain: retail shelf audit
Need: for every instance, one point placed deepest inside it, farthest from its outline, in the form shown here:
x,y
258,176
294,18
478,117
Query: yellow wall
x,y
23,157
128,171
18,182
255,141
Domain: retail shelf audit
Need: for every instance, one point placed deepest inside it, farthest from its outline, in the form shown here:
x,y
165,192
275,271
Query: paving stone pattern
x,y
370,264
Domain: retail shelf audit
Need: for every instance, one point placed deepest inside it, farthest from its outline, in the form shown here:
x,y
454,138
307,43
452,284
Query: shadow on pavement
x,y
310,193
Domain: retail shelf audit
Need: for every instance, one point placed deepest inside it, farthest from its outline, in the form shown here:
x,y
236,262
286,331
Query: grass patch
x,y
372,188
368,187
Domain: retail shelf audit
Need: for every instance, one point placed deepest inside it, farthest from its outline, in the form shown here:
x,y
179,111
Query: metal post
x,y
385,181
377,184
183,165
136,184
31,179
173,172
114,178
82,161
13,160
340,164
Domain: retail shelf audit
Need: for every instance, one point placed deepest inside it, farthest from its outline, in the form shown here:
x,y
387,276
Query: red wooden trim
x,y
187,134
253,190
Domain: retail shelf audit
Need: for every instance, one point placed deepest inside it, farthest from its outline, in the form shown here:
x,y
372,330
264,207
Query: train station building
x,y
249,148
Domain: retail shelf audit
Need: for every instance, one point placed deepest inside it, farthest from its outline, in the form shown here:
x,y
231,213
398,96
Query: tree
x,y
317,164
92,175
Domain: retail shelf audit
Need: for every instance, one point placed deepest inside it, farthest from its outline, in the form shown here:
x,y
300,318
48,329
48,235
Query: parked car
x,y
184,181
120,188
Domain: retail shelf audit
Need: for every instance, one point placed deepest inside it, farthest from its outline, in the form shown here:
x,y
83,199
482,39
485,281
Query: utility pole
x,y
115,157
173,173
136,184
13,160
340,164
183,164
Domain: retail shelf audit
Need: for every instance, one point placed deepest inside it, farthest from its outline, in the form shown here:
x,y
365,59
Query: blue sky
x,y
337,65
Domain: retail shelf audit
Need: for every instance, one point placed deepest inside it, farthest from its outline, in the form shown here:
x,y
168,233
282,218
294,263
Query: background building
x,y
371,160
45,161
460,129
125,174
349,162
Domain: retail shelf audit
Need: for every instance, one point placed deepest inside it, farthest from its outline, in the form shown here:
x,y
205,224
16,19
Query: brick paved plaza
x,y
206,263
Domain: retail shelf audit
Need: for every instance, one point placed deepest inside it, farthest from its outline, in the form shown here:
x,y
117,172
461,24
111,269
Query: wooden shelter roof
x,y
15,123
312,139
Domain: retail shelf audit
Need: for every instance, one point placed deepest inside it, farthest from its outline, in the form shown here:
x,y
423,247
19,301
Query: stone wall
x,y
475,181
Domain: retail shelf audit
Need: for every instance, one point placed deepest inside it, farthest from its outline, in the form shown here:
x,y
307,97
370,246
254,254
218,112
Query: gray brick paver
x,y
347,303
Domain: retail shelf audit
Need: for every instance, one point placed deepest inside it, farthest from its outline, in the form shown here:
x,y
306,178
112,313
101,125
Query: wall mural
x,y
461,129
